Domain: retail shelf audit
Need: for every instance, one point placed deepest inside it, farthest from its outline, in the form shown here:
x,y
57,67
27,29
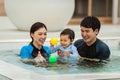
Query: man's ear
x,y
96,31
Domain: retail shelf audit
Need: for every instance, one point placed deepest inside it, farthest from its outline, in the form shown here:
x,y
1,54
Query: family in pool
x,y
90,48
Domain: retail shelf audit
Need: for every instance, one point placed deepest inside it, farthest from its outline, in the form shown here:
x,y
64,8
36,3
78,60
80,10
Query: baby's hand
x,y
60,53
67,53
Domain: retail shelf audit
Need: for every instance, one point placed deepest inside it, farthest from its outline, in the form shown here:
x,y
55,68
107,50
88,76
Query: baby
x,y
65,49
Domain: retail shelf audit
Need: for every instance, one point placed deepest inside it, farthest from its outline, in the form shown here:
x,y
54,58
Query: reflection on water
x,y
50,69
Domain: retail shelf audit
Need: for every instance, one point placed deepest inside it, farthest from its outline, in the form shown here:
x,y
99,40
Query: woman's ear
x,y
31,35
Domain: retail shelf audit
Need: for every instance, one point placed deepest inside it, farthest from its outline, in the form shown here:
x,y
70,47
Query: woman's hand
x,y
40,58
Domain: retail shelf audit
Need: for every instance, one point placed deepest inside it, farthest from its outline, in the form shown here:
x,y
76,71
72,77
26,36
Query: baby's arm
x,y
73,53
55,48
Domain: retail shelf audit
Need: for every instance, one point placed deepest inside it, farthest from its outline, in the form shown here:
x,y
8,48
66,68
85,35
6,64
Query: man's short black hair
x,y
91,22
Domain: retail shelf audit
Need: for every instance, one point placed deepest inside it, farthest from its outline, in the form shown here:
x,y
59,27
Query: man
x,y
90,47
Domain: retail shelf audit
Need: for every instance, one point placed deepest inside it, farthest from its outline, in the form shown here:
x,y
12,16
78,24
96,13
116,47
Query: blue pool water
x,y
9,53
11,56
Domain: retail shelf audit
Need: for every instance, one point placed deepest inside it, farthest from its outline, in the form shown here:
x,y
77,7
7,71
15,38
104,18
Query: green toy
x,y
52,59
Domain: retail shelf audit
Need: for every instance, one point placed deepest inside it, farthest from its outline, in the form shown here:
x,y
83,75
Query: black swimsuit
x,y
35,52
98,50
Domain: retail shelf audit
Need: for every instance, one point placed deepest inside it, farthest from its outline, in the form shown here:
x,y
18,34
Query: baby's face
x,y
65,40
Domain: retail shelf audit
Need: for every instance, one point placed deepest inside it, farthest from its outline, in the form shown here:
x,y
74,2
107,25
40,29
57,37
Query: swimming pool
x,y
9,59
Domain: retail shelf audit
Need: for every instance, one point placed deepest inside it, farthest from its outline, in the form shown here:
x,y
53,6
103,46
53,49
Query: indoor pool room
x,y
17,17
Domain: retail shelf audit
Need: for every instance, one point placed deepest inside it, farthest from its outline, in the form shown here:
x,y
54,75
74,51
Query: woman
x,y
35,51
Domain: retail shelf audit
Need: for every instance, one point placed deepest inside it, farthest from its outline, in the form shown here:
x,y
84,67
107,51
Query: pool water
x,y
11,56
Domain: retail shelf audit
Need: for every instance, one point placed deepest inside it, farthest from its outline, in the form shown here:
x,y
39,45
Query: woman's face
x,y
39,37
89,36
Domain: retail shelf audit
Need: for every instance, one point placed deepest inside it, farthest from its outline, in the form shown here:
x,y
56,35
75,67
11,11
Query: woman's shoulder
x,y
47,49
28,46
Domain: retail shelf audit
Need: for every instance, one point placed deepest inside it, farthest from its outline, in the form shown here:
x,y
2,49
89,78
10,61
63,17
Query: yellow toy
x,y
53,41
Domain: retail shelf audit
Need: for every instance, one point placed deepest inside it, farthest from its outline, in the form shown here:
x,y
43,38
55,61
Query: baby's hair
x,y
68,32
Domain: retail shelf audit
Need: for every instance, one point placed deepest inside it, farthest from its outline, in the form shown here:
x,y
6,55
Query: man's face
x,y
89,36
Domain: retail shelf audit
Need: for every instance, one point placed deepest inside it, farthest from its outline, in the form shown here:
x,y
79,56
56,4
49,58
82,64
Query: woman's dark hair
x,y
91,22
37,26
68,32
